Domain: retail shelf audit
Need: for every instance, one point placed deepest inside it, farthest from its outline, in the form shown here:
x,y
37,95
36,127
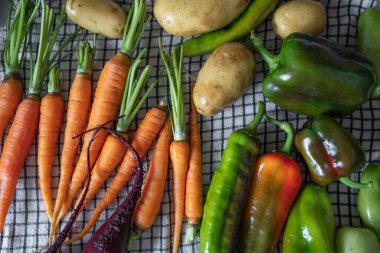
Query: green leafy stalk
x,y
53,85
17,34
86,55
173,66
134,27
133,97
48,36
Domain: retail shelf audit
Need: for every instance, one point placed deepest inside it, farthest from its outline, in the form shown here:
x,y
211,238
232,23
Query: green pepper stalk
x,y
369,199
11,87
310,227
368,41
330,152
356,240
275,183
254,15
229,189
309,71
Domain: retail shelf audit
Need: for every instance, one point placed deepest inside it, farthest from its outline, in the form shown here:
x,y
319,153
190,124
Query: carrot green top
x,y
132,100
17,34
53,85
173,66
86,55
134,27
48,36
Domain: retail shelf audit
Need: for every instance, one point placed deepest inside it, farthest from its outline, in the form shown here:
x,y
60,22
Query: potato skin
x,y
227,73
192,17
98,16
299,16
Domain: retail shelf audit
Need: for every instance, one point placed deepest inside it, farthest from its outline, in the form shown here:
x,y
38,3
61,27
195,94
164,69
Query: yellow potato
x,y
227,73
299,16
191,17
98,16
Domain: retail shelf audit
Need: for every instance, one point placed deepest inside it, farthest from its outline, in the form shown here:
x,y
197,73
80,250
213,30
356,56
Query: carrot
x,y
113,150
142,140
25,125
194,197
77,110
108,97
149,203
179,148
11,87
50,123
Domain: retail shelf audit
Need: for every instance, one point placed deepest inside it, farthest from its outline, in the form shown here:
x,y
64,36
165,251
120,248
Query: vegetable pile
x,y
257,200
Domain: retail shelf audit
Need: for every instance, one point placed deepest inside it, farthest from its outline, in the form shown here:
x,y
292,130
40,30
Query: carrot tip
x,y
191,233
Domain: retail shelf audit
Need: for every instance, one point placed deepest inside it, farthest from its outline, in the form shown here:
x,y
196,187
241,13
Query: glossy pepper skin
x,y
329,150
368,41
275,184
229,189
310,227
356,240
312,76
369,199
253,16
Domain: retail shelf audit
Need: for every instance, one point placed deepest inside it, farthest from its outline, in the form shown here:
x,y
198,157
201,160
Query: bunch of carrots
x,y
119,89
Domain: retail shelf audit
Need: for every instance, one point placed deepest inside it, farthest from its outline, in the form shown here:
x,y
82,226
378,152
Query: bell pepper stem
x,y
269,58
289,130
252,126
355,185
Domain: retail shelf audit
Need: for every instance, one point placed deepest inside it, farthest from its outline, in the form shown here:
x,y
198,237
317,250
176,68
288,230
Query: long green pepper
x,y
229,189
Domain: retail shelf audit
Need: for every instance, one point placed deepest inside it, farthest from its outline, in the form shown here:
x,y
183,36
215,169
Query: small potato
x,y
192,17
226,74
299,16
98,16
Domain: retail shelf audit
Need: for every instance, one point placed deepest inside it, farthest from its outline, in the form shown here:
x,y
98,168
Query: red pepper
x,y
276,181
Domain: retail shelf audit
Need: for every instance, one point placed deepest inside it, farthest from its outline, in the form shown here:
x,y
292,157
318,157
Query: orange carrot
x,y
50,123
194,197
25,125
77,111
108,97
179,149
11,87
153,191
16,148
142,140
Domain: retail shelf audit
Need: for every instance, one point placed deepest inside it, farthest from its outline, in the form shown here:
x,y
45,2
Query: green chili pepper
x,y
330,151
275,184
310,226
254,15
369,41
356,240
229,189
313,75
369,199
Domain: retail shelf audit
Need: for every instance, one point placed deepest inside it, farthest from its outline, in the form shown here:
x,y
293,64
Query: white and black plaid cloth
x,y
27,226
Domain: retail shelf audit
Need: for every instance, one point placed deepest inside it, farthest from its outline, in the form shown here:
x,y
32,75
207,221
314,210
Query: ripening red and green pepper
x,y
229,189
329,151
275,184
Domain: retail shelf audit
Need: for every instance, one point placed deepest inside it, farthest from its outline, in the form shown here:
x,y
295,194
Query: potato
x,y
299,16
99,16
192,17
224,77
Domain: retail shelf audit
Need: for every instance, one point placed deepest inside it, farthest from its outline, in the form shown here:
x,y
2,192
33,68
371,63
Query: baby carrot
x,y
50,123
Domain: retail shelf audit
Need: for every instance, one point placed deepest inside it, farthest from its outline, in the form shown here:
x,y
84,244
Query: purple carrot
x,y
112,235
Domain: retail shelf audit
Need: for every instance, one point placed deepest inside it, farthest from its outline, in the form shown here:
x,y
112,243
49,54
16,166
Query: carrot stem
x,y
53,85
86,55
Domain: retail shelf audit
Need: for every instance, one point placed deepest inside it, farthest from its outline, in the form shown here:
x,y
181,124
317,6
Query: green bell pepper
x,y
329,151
310,227
313,75
369,199
368,41
356,240
229,189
